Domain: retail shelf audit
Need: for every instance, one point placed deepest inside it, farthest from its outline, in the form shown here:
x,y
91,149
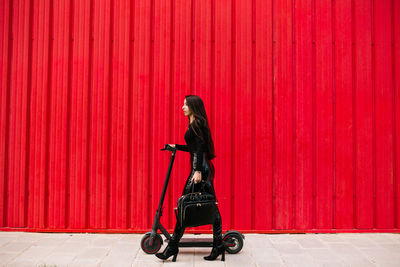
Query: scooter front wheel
x,y
150,247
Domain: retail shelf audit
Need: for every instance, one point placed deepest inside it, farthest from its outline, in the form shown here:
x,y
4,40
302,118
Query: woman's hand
x,y
196,177
172,145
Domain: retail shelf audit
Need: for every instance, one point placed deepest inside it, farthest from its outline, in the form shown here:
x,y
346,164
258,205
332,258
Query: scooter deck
x,y
196,242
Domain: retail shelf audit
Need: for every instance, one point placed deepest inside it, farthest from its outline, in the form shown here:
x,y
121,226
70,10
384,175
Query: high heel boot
x,y
218,245
215,252
171,249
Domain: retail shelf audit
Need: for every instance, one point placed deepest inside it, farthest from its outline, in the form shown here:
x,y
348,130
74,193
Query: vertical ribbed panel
x,y
16,128
39,111
283,106
5,63
78,144
242,103
344,113
383,87
303,144
396,105
363,119
323,116
262,114
57,130
302,99
119,116
141,107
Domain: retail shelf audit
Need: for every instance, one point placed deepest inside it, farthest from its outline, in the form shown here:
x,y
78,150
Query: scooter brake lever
x,y
165,147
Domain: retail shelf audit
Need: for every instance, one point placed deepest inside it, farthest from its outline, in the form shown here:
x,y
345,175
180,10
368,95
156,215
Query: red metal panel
x,y
283,115
100,116
243,126
383,100
5,61
302,99
38,114
303,59
79,110
323,115
15,172
363,116
344,110
396,105
118,177
130,199
57,113
140,115
262,113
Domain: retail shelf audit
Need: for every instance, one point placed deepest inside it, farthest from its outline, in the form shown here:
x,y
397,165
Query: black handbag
x,y
196,208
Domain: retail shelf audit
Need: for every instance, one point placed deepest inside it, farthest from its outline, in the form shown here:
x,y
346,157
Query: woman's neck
x,y
191,118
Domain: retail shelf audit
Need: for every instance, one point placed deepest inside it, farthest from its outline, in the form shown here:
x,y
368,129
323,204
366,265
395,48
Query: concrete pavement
x,y
64,249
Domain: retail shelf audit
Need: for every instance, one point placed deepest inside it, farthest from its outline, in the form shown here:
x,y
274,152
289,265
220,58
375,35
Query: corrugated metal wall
x,y
302,96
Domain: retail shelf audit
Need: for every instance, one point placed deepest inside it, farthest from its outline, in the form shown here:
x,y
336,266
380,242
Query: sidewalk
x,y
63,249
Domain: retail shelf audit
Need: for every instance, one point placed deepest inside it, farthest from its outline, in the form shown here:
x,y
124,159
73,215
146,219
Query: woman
x,y
201,148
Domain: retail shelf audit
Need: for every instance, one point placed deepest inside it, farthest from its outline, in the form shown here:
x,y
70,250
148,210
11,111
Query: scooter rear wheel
x,y
146,245
235,242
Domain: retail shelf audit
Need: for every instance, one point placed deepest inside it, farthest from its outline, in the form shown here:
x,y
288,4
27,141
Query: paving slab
x,y
57,259
299,260
15,247
7,257
103,250
309,241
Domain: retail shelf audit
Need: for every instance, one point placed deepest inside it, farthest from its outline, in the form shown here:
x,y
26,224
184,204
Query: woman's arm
x,y
198,156
182,147
198,152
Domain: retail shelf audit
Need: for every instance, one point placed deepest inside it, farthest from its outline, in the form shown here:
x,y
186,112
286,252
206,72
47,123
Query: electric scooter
x,y
152,241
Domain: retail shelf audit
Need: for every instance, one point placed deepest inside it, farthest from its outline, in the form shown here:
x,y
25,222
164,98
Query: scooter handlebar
x,y
169,148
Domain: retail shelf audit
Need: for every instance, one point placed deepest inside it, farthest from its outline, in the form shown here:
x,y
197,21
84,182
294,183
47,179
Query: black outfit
x,y
196,141
196,146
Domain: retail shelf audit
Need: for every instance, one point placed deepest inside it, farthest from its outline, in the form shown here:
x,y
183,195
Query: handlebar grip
x,y
168,147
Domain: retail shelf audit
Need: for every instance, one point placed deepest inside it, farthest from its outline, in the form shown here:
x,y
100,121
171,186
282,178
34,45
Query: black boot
x,y
215,252
218,245
171,249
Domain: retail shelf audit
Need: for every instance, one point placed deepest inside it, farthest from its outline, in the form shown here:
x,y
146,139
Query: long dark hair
x,y
196,106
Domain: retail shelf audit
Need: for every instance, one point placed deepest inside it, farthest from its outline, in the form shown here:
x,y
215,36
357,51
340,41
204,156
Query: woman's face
x,y
186,109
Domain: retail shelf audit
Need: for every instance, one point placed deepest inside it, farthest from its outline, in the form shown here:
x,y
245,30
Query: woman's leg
x,y
178,233
172,248
217,229
218,247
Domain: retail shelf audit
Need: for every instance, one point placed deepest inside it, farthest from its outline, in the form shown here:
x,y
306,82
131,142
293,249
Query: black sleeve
x,y
198,154
182,147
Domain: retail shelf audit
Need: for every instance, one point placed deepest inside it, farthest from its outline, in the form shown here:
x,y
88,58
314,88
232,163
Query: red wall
x,y
303,99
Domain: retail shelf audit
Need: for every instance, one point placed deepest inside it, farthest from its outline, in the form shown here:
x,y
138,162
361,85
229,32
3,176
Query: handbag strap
x,y
192,187
203,184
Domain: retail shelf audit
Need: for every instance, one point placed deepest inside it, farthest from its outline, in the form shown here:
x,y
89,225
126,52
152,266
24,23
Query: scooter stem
x,y
156,222
171,163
